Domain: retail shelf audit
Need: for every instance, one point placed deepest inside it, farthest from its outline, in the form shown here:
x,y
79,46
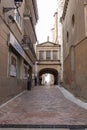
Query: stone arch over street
x,y
48,62
52,71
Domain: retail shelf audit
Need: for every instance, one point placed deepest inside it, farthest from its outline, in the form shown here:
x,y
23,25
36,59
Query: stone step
x,y
43,127
40,129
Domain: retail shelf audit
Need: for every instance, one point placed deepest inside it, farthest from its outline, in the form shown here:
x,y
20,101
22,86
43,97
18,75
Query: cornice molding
x,y
65,9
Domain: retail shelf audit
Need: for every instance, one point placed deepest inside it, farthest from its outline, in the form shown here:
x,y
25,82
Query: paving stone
x,y
39,129
31,129
43,105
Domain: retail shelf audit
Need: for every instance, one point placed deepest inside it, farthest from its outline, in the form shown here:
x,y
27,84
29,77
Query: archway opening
x,y
48,76
47,79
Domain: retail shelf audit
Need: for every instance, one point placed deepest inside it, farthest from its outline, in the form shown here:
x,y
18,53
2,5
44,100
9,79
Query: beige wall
x,y
81,67
76,80
3,49
9,87
75,49
13,27
12,85
48,47
40,67
76,33
52,64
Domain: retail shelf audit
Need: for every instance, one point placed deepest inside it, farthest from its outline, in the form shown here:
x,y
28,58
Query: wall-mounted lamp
x,y
17,5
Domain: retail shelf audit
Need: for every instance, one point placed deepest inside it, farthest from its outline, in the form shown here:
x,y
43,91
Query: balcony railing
x,y
27,43
27,14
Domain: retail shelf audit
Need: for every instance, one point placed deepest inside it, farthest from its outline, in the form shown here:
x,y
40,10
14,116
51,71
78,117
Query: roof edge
x,y
65,8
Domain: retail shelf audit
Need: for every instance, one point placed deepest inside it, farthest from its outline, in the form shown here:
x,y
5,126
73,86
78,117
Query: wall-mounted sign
x,y
16,45
18,48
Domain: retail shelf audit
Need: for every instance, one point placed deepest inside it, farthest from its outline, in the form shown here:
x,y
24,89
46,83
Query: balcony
x,y
28,47
29,26
32,5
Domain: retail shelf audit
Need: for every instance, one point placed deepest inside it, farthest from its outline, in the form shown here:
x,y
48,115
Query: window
x,y
67,36
13,66
18,18
41,55
47,55
25,71
73,20
55,57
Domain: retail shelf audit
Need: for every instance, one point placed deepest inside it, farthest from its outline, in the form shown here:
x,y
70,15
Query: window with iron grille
x,y
18,18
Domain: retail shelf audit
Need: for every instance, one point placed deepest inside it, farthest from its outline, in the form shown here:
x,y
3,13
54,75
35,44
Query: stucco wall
x,y
75,60
77,32
81,67
76,81
10,87
40,67
3,50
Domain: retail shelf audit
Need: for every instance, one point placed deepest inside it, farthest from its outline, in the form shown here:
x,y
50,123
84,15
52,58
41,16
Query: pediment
x,y
47,44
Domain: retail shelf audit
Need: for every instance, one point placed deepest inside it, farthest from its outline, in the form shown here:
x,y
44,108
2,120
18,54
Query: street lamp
x,y
17,5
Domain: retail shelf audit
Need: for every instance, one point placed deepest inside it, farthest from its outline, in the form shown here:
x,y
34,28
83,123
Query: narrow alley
x,y
40,106
43,64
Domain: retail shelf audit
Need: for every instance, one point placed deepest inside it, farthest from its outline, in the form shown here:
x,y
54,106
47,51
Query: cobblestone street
x,y
42,105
